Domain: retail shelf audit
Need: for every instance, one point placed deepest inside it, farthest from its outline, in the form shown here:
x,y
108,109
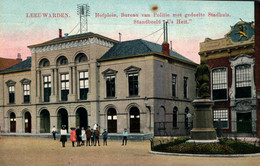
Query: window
x,y
174,117
174,81
44,63
26,93
219,83
185,87
243,81
11,94
47,88
83,85
186,119
64,87
133,84
222,115
110,83
62,60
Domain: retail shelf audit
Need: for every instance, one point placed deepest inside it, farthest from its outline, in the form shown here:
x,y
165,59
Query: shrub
x,y
225,146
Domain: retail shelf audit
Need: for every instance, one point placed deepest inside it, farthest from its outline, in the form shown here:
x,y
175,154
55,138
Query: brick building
x,y
234,78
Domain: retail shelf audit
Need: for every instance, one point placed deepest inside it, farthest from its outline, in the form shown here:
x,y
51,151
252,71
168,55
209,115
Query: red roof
x,y
6,63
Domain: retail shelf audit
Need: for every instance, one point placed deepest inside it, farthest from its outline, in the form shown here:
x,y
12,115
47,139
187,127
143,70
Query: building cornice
x,y
65,44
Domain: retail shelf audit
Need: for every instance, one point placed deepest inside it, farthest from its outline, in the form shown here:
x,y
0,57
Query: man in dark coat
x,y
105,134
88,133
78,135
97,133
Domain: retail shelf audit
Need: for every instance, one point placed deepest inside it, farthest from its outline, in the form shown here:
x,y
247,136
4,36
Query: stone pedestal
x,y
203,121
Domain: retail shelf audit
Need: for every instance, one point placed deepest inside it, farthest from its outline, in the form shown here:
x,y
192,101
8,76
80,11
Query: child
x,y
73,135
125,135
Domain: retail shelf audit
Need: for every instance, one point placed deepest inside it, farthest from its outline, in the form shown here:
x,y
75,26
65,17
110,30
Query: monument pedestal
x,y
203,130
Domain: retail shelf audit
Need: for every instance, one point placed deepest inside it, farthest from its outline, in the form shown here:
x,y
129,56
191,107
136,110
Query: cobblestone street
x,y
40,151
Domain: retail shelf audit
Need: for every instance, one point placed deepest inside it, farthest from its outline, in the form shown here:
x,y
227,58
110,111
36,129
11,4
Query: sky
x,y
18,29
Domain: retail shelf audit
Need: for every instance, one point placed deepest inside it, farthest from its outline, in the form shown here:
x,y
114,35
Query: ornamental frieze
x,y
72,44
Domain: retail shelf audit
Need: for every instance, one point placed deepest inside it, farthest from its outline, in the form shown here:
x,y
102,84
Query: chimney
x,y
19,57
60,33
165,44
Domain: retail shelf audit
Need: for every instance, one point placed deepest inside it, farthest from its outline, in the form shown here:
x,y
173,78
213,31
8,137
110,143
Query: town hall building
x,y
88,79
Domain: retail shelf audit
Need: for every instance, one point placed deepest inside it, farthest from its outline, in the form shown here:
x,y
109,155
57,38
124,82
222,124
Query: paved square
x,y
40,151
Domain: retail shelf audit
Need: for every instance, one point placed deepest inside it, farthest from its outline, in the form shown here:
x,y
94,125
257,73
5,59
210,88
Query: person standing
x,y
88,133
97,133
104,134
83,135
54,131
92,137
78,135
125,135
73,136
63,137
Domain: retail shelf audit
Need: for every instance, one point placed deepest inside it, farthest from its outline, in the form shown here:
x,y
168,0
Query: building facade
x,y
90,79
232,60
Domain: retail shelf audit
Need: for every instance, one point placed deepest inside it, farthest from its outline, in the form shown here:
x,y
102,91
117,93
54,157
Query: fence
x,y
239,128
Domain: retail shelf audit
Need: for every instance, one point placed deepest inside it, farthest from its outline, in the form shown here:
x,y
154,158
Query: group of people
x,y
90,136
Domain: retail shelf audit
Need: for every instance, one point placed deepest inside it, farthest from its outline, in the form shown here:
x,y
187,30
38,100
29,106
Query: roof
x,y
6,63
71,38
26,64
139,46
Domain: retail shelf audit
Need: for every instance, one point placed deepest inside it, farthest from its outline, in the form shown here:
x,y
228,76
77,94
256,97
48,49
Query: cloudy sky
x,y
18,28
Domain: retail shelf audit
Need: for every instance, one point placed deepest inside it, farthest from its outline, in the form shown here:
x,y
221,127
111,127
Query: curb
x,y
206,155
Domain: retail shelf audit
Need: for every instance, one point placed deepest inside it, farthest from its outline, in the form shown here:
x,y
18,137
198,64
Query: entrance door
x,y
27,122
12,122
112,120
134,120
82,118
244,122
62,119
45,121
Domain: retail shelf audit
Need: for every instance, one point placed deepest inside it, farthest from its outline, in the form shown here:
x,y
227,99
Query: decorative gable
x,y
25,81
10,83
132,69
109,72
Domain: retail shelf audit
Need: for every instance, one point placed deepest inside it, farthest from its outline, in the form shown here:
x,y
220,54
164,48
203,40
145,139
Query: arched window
x,y
81,57
12,122
44,63
112,120
62,60
175,117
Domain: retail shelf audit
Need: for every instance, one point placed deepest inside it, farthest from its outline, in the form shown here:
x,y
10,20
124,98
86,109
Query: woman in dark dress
x,y
63,137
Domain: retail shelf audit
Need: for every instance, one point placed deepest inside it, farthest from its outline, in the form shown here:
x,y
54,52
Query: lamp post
x,y
149,108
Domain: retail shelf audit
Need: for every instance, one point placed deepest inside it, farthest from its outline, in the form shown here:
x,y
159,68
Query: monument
x,y
203,131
